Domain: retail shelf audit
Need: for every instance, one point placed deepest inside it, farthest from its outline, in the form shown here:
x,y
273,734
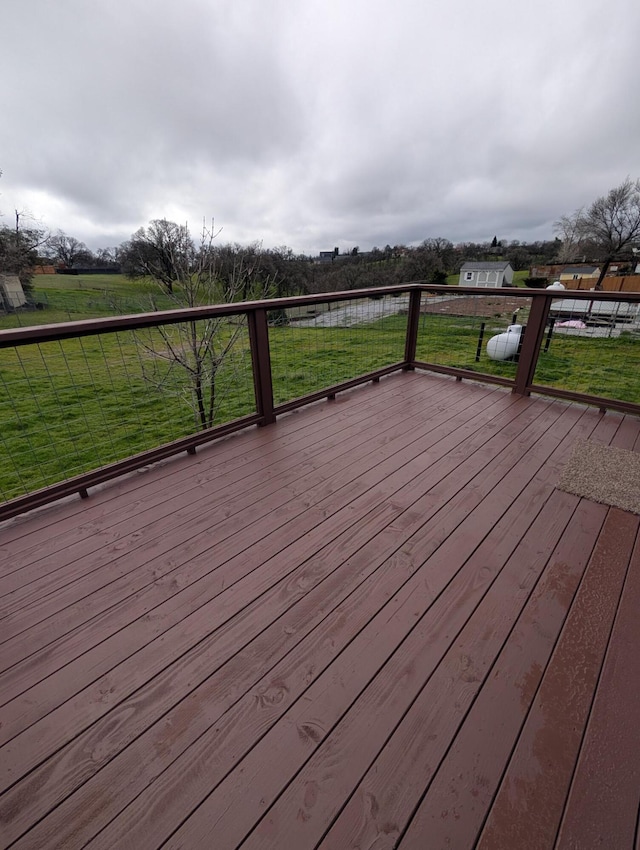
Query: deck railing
x,y
101,397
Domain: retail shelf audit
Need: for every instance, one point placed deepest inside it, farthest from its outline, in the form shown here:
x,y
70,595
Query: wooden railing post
x,y
261,363
528,360
415,298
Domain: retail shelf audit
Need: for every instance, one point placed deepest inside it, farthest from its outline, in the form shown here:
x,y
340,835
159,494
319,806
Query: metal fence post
x,y
536,324
413,318
261,364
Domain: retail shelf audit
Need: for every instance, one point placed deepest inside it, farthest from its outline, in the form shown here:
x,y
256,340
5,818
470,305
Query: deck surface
x,y
374,624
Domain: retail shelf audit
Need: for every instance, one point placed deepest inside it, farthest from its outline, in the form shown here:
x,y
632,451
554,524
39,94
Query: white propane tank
x,y
505,345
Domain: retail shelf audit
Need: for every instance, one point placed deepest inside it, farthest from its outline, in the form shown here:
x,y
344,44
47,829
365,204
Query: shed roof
x,y
579,269
484,266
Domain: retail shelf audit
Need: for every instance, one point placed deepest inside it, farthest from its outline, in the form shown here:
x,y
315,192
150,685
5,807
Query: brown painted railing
x,y
265,410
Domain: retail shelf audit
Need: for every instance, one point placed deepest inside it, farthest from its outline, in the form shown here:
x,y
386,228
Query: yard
x,y
71,406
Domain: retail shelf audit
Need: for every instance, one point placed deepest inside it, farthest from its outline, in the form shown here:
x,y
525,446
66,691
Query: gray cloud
x,y
328,122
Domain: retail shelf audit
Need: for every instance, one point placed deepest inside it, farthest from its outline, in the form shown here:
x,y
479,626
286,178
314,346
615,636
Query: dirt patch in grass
x,y
485,306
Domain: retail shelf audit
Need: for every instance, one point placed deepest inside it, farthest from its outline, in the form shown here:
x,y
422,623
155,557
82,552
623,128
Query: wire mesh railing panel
x,y
327,343
593,347
71,406
455,330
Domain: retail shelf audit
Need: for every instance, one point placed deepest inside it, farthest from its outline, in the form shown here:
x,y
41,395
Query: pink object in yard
x,y
573,323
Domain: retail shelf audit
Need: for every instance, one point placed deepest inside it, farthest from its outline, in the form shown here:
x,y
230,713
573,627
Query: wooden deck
x,y
373,624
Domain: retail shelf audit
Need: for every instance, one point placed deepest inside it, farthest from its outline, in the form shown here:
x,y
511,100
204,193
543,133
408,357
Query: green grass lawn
x,y
68,298
68,407
608,367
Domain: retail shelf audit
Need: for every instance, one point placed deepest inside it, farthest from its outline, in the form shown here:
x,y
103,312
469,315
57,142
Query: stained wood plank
x,y
236,680
19,529
340,480
240,449
604,797
452,685
188,497
438,702
528,807
222,580
222,810
56,725
84,576
455,803
627,433
135,768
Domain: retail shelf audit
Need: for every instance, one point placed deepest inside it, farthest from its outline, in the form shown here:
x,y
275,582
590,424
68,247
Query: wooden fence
x,y
626,283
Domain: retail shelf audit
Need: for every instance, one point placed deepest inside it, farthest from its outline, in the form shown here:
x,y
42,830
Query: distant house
x,y
570,273
11,293
328,256
486,274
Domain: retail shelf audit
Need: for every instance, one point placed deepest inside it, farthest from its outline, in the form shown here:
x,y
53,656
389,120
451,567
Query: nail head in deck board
x,y
527,810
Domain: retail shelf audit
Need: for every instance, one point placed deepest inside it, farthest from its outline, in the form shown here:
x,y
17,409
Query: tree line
x,y
194,270
163,249
605,230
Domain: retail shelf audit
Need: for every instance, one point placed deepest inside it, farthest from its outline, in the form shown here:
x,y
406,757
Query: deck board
x,y
529,804
454,805
605,790
328,632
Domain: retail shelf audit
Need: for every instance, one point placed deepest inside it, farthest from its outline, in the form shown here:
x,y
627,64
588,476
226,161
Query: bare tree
x,y
611,224
162,251
441,248
567,229
108,257
68,250
19,247
197,349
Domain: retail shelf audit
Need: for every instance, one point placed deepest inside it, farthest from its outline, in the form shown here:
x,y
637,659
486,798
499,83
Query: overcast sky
x,y
314,123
